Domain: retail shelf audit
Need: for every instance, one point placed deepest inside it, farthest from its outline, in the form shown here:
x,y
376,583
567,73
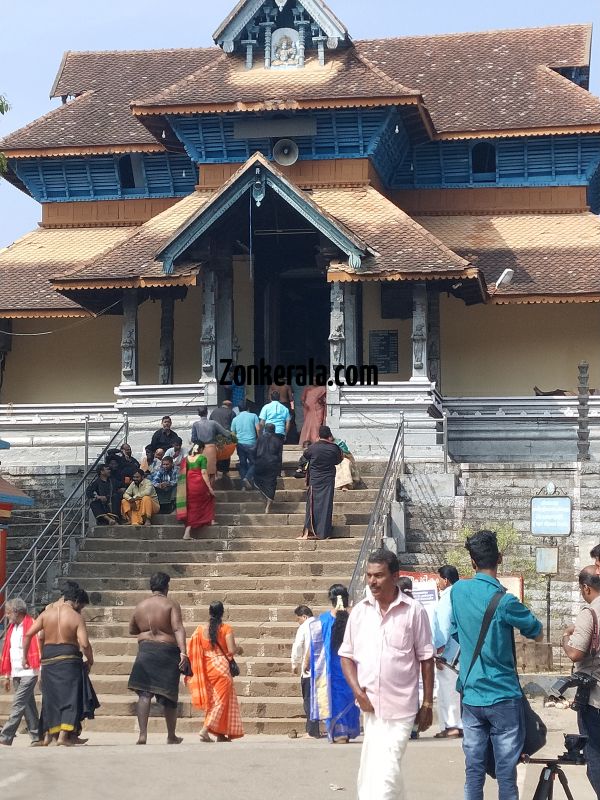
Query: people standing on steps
x,y
68,696
205,431
212,650
314,404
162,656
246,427
224,415
323,457
275,413
595,554
269,455
387,647
301,665
140,501
332,701
346,472
448,699
195,501
23,680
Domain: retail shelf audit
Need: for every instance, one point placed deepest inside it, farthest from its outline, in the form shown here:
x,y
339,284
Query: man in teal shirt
x,y
492,697
246,427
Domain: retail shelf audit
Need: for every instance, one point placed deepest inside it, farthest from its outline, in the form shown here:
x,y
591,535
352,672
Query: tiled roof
x,y
402,245
134,257
495,80
553,255
27,265
473,82
226,81
106,82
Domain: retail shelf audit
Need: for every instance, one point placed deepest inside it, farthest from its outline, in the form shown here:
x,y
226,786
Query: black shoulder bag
x,y
536,731
234,668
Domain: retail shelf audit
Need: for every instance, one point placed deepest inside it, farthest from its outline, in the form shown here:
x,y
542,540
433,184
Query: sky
x,y
37,32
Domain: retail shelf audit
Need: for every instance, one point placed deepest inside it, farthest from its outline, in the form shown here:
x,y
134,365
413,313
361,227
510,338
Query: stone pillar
x,y
167,344
337,328
5,345
419,334
583,424
350,323
434,345
208,337
129,338
224,306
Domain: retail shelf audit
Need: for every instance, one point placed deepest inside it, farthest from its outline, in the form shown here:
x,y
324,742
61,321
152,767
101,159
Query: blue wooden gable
x,y
102,177
536,161
343,133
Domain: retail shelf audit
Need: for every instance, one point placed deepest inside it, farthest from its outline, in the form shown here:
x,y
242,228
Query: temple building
x,y
426,205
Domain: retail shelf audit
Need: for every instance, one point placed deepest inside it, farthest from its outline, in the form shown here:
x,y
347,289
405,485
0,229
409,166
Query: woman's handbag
x,y
234,667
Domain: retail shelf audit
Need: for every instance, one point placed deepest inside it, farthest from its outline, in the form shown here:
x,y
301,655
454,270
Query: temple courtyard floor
x,y
254,768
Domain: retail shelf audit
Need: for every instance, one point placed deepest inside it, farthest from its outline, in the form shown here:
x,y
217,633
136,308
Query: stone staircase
x,y
252,562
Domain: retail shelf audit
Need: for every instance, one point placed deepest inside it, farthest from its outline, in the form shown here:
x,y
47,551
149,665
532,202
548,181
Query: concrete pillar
x,y
337,328
167,343
419,334
434,344
224,310
5,345
129,337
208,337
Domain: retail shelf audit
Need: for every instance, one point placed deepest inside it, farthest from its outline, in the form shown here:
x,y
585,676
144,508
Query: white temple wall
x,y
372,321
492,350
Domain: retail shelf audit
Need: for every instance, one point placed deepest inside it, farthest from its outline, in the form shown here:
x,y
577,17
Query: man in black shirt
x,y
164,438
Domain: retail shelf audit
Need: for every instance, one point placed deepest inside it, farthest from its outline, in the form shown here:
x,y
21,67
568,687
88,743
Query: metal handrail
x,y
375,533
59,536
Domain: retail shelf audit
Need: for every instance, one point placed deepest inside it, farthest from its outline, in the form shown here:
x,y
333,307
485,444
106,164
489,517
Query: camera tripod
x,y
550,772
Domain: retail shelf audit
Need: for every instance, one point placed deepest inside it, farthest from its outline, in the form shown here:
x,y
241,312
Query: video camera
x,y
584,683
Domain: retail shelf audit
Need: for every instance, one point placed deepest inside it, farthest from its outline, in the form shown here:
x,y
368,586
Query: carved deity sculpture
x,y
419,340
208,349
337,341
128,350
285,48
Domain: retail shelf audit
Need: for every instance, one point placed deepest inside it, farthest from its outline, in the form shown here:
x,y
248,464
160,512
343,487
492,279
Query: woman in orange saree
x,y
211,686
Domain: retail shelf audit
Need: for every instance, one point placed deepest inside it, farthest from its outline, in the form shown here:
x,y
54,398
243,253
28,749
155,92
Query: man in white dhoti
x,y
387,643
448,699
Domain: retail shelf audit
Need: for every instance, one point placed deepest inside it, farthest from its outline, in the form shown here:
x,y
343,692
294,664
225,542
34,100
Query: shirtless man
x,y
286,395
162,656
65,642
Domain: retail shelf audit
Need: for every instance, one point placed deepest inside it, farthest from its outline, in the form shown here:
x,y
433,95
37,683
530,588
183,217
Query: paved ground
x,y
255,768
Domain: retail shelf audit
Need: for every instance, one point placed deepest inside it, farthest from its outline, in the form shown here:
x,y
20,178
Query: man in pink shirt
x,y
387,644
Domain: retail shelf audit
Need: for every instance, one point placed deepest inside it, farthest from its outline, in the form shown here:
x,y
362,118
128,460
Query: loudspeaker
x,y
285,152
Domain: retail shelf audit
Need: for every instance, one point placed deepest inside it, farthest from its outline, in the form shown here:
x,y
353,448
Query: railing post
x,y
402,442
34,576
86,422
126,426
60,540
445,441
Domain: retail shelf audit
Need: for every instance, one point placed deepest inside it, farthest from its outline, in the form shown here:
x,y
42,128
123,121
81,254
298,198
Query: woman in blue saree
x,y
332,700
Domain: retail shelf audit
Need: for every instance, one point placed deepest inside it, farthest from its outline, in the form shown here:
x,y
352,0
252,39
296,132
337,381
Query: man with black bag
x,y
494,709
581,643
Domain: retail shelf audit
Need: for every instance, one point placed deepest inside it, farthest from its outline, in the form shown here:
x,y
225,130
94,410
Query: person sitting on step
x,y
164,481
140,501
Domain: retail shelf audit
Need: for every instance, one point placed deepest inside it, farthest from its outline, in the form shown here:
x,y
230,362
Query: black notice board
x,y
383,351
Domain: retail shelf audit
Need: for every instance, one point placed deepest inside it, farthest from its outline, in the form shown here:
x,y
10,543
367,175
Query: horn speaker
x,y
285,152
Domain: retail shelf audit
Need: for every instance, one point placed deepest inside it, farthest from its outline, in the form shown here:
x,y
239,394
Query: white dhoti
x,y
380,774
448,700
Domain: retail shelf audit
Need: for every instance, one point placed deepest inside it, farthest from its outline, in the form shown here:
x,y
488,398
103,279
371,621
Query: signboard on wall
x,y
551,516
383,351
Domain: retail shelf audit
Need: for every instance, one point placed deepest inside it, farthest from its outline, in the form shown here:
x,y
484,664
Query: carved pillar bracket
x,y
337,336
419,334
129,337
434,345
167,345
268,28
208,337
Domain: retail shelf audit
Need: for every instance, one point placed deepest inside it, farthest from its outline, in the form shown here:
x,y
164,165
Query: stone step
x,y
217,546
349,516
272,650
183,576
251,667
119,604
123,705
153,533
257,509
281,687
243,630
205,560
189,727
293,495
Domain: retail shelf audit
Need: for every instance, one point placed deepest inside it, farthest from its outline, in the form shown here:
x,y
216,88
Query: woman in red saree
x,y
211,686
195,496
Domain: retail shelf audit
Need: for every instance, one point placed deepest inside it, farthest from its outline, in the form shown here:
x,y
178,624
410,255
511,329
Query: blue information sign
x,y
551,516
